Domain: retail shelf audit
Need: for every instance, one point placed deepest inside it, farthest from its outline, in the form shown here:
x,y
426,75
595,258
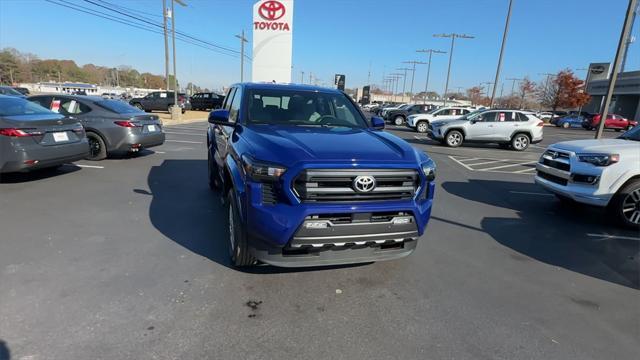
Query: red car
x,y
613,121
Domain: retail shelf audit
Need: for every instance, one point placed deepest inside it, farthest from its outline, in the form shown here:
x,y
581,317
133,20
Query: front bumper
x,y
553,180
278,234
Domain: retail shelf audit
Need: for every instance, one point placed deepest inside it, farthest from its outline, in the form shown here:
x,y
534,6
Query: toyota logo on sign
x,y
271,10
364,184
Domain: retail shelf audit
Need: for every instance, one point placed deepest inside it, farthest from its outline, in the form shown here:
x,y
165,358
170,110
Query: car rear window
x,y
11,106
118,106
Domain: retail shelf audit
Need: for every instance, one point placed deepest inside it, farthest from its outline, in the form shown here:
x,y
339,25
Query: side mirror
x,y
219,117
377,123
473,121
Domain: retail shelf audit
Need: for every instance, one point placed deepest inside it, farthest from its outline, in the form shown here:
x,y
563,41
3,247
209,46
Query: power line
x,y
110,17
130,9
160,26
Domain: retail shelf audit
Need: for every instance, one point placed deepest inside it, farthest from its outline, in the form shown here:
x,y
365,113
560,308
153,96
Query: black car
x,y
9,91
399,116
22,90
161,100
206,101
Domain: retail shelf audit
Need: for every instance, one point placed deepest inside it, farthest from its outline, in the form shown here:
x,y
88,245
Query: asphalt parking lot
x,y
127,259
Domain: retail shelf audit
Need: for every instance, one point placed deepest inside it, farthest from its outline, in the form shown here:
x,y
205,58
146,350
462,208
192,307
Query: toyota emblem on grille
x,y
364,183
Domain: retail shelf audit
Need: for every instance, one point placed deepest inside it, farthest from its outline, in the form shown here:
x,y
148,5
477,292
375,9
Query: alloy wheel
x,y
94,146
631,207
454,139
398,120
422,127
521,142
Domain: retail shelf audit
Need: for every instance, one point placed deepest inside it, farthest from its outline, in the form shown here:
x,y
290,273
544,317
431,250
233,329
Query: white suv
x,y
509,128
603,173
420,122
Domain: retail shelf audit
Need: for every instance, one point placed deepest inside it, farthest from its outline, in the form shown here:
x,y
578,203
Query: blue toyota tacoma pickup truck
x,y
309,180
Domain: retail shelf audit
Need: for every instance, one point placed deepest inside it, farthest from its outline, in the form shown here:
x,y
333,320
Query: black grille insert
x,y
337,185
553,178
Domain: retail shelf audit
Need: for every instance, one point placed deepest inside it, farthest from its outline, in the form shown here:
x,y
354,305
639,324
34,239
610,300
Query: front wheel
x,y
454,138
398,120
238,237
625,205
422,127
520,142
566,125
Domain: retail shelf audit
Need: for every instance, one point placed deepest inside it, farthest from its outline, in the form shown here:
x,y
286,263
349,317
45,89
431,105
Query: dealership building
x,y
626,95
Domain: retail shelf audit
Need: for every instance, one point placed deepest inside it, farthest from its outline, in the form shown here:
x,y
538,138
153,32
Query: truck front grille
x,y
338,185
556,159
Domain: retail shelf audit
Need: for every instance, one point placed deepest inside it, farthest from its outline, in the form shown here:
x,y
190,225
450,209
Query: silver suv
x,y
508,128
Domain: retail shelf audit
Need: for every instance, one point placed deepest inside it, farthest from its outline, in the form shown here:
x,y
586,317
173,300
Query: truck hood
x,y
288,145
598,146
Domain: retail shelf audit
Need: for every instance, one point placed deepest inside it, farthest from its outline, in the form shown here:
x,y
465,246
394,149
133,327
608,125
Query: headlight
x,y
260,170
599,159
429,170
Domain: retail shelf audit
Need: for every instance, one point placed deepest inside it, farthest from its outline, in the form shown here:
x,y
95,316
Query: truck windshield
x,y
633,134
301,108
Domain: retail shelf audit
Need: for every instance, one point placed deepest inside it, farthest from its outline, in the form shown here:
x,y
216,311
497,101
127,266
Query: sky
x,y
361,39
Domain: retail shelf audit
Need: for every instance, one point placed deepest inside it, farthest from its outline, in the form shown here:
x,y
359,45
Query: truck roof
x,y
281,86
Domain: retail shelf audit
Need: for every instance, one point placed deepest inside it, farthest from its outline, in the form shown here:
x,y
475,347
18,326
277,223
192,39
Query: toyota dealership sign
x,y
272,40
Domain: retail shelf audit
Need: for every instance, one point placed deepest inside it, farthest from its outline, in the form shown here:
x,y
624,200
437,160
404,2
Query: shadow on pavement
x,y
5,354
561,235
35,175
186,211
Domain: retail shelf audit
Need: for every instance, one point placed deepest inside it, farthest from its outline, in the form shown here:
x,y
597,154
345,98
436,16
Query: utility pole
x,y
301,77
166,43
404,80
624,35
513,84
489,83
242,41
546,85
413,72
369,74
630,39
396,78
174,112
504,41
431,52
586,82
453,37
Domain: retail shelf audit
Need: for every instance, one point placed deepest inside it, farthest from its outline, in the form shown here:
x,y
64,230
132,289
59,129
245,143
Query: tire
x,y
97,147
629,127
398,120
454,138
520,142
627,198
566,125
422,127
169,109
618,130
238,238
183,111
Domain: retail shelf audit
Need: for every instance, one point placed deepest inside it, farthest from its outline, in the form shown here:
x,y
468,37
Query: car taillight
x,y
127,123
541,123
15,132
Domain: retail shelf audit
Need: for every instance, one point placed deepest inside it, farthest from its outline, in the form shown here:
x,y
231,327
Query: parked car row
x,y
51,130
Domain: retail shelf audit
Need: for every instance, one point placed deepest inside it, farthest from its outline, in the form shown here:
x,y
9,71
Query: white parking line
x,y
181,133
508,165
525,170
538,147
486,162
185,141
530,193
607,236
461,163
89,166
159,152
420,138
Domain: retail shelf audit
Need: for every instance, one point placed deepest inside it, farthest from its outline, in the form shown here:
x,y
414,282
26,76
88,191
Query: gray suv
x,y
508,128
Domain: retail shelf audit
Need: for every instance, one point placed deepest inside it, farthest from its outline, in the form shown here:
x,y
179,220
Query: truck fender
x,y
233,179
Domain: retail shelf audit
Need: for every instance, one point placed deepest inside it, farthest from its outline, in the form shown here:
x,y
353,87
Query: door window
x,y
487,117
72,107
521,117
504,116
44,101
228,98
443,112
205,96
234,111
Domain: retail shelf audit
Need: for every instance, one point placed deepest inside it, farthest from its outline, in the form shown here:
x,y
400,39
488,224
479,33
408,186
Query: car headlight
x,y
261,170
429,170
599,159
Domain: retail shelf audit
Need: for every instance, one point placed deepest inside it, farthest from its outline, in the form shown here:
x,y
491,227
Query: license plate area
x,y
59,137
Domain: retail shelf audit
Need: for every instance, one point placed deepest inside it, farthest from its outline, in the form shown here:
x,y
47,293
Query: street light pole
x,y
586,82
166,44
413,72
404,80
624,35
504,41
431,52
453,37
